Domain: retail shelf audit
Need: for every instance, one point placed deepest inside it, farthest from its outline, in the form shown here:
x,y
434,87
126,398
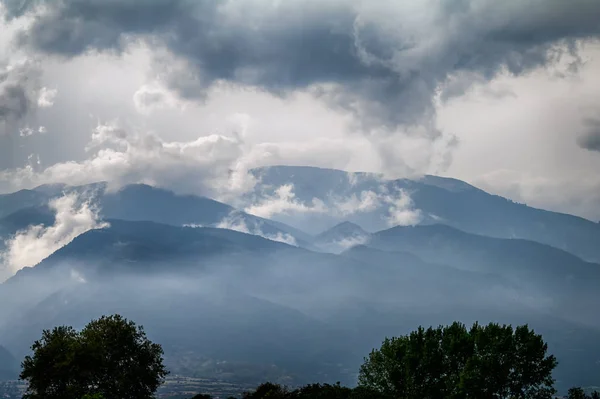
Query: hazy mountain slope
x,y
479,212
185,284
9,366
441,243
10,203
439,200
40,196
148,248
141,202
230,295
23,218
436,199
251,264
127,246
20,220
566,282
224,325
341,231
341,237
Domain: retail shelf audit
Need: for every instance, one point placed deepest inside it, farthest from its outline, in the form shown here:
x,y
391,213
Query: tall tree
x,y
268,390
111,357
579,393
490,361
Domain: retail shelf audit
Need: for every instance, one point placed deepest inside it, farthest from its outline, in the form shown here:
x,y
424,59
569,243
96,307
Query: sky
x,y
191,94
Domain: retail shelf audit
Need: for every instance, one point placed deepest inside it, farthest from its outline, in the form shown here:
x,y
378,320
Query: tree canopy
x,y
111,357
579,393
311,391
489,361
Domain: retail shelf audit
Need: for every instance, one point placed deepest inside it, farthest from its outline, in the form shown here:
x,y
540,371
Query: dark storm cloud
x,y
14,104
19,92
387,65
15,92
591,139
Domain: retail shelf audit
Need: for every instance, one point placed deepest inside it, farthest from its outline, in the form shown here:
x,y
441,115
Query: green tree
x,y
268,390
312,391
482,362
579,393
325,391
111,357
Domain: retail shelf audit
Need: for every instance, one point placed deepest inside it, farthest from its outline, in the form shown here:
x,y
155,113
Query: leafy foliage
x,y
268,390
579,393
111,357
312,391
490,361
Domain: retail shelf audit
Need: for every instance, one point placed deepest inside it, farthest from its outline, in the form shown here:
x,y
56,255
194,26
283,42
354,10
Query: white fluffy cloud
x,y
284,201
400,207
73,216
339,246
350,242
236,221
366,201
210,165
401,210
26,131
152,97
46,97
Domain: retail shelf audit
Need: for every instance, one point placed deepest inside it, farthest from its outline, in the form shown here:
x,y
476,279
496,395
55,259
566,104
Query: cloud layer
x,y
18,91
591,138
398,208
21,95
382,61
209,165
284,201
237,221
354,85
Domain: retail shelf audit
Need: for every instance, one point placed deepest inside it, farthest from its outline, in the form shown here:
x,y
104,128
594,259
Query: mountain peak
x,y
50,189
345,229
341,237
447,183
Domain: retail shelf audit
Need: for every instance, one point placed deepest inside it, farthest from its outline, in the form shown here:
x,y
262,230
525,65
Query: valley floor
x,y
175,387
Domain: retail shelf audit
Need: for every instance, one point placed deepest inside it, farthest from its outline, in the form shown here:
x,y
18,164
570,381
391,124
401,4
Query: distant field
x,y
186,387
176,387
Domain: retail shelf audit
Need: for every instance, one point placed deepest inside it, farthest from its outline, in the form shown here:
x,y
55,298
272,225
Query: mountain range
x,y
439,200
347,259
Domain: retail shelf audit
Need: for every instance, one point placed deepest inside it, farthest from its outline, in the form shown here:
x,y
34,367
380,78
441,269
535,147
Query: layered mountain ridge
x,y
316,285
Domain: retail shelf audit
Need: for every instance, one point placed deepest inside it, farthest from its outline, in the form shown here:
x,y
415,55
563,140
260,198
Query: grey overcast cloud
x,y
191,94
